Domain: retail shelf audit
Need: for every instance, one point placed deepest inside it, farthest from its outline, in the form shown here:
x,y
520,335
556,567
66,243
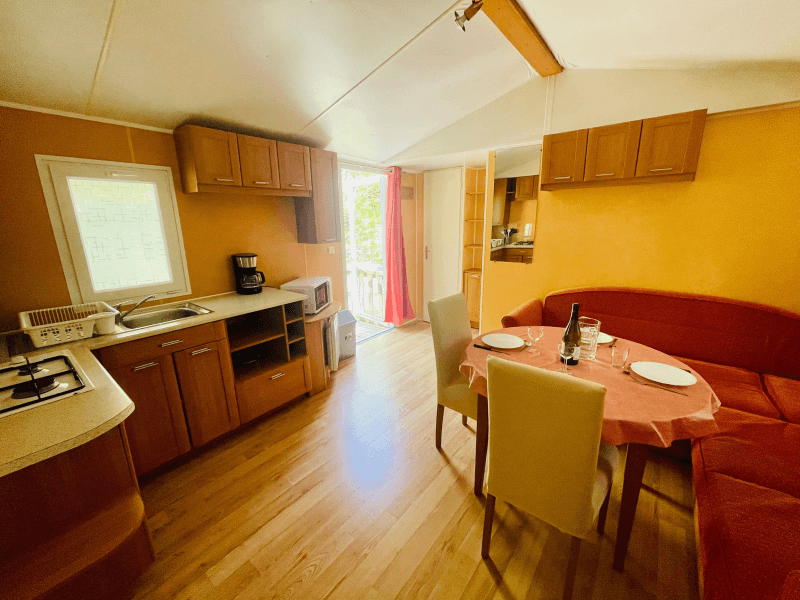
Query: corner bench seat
x,y
747,476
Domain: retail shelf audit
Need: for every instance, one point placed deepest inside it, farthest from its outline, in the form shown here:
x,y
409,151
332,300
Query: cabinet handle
x,y
145,366
297,184
277,375
228,180
605,174
662,169
261,182
196,352
333,239
172,343
566,177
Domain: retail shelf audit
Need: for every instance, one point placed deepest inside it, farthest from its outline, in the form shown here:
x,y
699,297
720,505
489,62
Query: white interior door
x,y
442,238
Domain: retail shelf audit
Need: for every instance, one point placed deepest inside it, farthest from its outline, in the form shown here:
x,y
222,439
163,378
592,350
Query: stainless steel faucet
x,y
135,306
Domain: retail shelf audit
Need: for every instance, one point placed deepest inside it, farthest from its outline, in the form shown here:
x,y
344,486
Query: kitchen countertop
x,y
33,435
515,247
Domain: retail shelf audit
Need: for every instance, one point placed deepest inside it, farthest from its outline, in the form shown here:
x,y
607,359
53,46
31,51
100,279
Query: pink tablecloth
x,y
634,413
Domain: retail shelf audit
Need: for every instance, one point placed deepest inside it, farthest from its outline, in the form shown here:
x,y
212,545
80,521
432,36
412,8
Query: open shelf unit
x,y
472,251
263,340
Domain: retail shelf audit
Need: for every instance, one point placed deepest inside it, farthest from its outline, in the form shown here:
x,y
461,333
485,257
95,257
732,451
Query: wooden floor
x,y
344,496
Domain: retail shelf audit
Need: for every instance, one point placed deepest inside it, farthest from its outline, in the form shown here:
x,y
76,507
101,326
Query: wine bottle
x,y
572,335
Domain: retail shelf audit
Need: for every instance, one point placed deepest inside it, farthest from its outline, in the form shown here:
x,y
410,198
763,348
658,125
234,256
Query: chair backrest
x,y
544,438
451,334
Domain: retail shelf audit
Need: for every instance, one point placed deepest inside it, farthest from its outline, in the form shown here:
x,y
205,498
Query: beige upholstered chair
x,y
451,335
545,453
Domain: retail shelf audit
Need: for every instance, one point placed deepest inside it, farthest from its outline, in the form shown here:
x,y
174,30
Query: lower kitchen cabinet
x,y
156,428
259,392
206,379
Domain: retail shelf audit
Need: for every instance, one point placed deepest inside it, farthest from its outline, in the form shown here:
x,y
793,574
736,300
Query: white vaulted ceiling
x,y
370,79
278,66
679,34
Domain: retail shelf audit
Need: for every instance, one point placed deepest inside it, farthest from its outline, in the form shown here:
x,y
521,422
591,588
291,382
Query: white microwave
x,y
317,290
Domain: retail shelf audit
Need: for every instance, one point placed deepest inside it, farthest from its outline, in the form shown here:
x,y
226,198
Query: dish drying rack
x,y
49,326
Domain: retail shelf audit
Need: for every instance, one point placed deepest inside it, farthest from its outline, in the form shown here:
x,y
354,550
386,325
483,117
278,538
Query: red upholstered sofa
x,y
747,477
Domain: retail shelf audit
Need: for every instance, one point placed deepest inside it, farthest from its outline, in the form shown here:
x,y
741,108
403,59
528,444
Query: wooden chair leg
x,y
439,421
601,518
487,526
464,420
481,443
572,567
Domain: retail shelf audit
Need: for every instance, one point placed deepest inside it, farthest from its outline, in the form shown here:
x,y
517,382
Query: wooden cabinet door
x,y
611,151
563,157
294,167
670,145
156,428
318,216
259,160
472,290
525,188
206,379
267,390
499,201
216,156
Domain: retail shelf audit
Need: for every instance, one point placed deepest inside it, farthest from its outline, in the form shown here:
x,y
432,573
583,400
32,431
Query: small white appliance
x,y
317,290
29,382
497,242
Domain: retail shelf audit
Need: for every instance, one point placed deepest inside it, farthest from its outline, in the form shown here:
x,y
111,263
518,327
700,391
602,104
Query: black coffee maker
x,y
248,280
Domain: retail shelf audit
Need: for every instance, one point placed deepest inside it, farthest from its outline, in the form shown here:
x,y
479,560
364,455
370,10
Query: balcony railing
x,y
365,286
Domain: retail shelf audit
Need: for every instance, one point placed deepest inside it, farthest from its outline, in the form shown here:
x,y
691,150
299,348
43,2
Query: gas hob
x,y
26,383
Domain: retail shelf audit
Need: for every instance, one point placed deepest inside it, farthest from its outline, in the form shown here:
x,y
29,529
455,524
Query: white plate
x,y
661,373
503,340
604,338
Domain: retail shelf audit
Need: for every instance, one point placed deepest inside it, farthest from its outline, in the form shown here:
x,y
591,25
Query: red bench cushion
x,y
785,393
736,388
749,536
761,451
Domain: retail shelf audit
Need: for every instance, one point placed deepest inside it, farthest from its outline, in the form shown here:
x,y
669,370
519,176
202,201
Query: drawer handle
x,y
297,184
196,352
605,174
172,343
333,239
565,177
145,366
226,180
278,375
662,169
261,182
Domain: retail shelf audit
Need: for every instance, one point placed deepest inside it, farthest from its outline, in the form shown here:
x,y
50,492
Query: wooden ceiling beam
x,y
513,23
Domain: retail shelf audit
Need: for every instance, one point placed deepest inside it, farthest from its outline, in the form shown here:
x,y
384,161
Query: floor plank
x,y
344,496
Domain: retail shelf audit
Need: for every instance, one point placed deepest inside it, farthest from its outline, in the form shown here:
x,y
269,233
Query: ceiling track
x,y
101,60
380,66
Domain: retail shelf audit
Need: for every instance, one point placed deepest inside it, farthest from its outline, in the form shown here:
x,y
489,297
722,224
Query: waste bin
x,y
347,334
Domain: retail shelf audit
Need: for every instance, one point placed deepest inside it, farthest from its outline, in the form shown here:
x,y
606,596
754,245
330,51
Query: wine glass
x,y
566,350
535,334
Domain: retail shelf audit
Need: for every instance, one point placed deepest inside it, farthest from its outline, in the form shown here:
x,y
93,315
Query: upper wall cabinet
x,y
317,216
649,151
611,151
294,164
210,157
259,159
563,157
526,188
671,145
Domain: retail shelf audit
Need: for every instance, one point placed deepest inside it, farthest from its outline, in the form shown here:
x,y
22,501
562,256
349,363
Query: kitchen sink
x,y
159,316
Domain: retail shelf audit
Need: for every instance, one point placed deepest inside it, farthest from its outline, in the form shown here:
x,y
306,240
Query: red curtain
x,y
398,304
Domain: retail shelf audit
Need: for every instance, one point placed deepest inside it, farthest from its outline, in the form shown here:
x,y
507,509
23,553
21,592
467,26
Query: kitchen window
x,y
116,227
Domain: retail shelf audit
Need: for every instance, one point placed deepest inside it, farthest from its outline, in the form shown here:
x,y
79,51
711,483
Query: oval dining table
x,y
636,413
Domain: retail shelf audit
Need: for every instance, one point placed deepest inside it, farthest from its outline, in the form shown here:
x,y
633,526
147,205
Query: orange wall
x,y
733,232
214,225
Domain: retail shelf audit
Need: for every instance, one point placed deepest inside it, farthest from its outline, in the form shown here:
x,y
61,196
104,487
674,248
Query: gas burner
x,y
29,370
29,388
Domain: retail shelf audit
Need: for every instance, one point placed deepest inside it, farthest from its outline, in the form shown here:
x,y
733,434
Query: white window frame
x,y
52,173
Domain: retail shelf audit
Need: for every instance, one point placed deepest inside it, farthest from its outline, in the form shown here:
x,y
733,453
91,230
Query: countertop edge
x,y
66,445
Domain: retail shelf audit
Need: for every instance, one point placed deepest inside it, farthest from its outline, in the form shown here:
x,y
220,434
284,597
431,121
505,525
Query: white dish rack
x,y
50,326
